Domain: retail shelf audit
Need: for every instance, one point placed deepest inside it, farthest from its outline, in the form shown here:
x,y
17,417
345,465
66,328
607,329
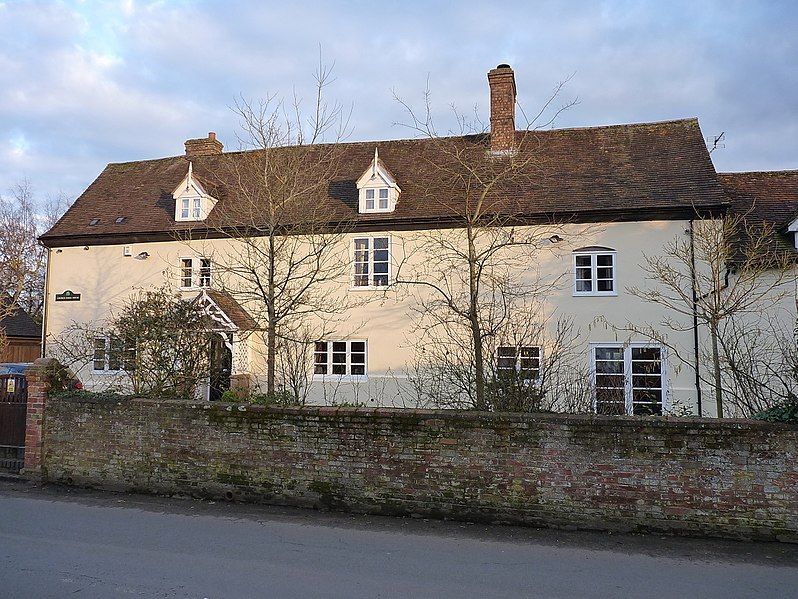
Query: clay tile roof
x,y
765,196
235,312
620,172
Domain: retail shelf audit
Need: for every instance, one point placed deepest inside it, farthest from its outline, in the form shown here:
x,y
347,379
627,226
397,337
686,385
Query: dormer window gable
x,y
192,202
377,188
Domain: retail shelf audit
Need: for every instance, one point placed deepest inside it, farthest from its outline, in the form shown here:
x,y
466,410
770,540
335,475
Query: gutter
x,y
405,223
695,320
46,302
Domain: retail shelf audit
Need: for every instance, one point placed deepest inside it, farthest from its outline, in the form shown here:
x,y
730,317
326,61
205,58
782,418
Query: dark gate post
x,y
38,377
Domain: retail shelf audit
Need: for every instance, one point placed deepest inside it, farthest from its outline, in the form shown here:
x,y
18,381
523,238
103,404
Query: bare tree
x,y
22,259
725,274
285,244
473,280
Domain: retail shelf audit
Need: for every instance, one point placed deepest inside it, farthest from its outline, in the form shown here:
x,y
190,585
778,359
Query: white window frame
x,y
196,272
196,209
348,376
106,369
627,372
594,254
518,357
353,255
376,190
185,208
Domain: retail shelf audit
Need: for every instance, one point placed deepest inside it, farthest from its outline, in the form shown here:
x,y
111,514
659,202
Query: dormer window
x,y
192,202
377,188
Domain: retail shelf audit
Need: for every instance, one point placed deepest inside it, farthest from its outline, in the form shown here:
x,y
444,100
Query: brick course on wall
x,y
704,477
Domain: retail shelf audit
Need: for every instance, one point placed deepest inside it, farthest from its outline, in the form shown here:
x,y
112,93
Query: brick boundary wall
x,y
729,478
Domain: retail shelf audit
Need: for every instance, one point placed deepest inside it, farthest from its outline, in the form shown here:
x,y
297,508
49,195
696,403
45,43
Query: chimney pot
x,y
501,81
204,146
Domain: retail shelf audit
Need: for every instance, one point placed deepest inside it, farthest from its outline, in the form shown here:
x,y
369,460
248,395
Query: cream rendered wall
x,y
104,278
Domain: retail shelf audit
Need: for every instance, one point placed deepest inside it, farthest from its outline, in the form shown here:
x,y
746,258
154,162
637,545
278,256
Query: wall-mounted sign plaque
x,y
67,296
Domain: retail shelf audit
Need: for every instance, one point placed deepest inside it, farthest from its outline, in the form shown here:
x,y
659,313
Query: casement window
x,y
629,379
339,358
522,361
195,272
112,354
371,262
377,199
191,208
595,272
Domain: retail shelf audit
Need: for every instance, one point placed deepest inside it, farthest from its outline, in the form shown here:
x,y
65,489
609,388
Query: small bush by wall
x,y
690,476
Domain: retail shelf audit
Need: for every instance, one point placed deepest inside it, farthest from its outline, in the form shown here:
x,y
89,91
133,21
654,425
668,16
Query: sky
x,y
85,83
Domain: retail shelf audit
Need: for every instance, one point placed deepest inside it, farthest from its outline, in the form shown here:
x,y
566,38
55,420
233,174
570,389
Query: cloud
x,y
86,83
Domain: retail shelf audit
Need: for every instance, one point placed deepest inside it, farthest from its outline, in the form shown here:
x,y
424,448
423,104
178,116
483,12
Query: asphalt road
x,y
59,542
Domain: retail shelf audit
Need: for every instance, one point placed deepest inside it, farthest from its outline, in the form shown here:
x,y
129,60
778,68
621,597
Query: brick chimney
x,y
502,109
204,146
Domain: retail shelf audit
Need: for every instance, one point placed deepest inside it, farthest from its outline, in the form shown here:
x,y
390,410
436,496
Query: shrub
x,y
786,411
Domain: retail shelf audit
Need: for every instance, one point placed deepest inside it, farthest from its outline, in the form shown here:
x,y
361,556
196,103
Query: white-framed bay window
x,y
371,262
629,378
336,359
195,272
595,271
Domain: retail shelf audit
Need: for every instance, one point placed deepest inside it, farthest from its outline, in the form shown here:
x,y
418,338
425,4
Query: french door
x,y
628,379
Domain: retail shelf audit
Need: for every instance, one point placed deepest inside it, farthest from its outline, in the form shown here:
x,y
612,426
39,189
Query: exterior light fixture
x,y
142,256
555,239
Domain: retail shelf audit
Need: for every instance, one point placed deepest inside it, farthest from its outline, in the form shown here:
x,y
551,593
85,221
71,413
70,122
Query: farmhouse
x,y
597,200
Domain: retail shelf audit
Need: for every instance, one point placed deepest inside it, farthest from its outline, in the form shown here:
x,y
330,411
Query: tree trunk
x,y
479,367
473,317
271,327
716,369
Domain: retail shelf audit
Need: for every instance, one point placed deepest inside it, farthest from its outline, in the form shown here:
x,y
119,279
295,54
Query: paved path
x,y
58,542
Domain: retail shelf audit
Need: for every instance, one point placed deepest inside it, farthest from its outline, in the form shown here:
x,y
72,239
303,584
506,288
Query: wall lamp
x,y
555,239
142,256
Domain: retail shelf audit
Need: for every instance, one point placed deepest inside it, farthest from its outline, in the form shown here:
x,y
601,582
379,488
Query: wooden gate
x,y
13,411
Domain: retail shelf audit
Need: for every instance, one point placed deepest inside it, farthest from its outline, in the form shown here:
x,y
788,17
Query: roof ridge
x,y
403,140
616,125
786,171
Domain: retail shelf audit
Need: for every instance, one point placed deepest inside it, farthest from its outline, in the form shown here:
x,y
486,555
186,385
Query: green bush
x,y
92,396
787,411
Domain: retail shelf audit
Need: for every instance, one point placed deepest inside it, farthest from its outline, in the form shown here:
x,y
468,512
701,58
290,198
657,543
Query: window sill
x,y
595,294
340,378
369,287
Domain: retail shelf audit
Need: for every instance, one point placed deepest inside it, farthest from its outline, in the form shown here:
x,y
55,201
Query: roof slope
x,y
763,196
629,172
765,200
234,311
20,324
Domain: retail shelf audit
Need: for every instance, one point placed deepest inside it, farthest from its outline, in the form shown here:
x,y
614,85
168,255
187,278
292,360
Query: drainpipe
x,y
46,297
695,320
